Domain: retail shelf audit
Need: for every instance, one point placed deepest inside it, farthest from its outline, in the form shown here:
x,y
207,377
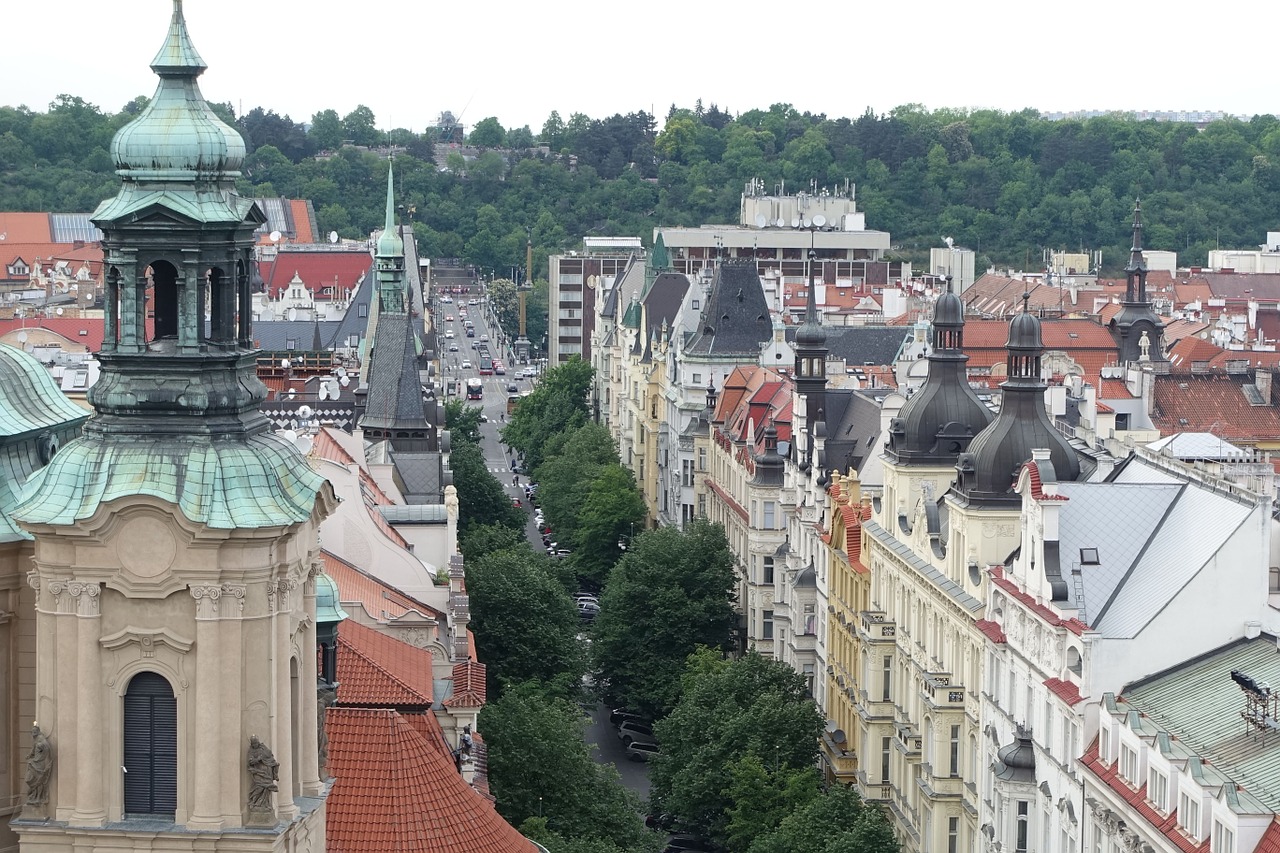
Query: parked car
x,y
631,731
563,552
448,334
515,502
639,751
682,842
453,347
466,365
484,337
618,716
588,610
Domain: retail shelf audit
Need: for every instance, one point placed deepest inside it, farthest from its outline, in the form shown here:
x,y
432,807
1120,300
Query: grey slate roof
x,y
420,476
736,319
853,429
276,334
395,391
862,345
356,321
664,298
1145,555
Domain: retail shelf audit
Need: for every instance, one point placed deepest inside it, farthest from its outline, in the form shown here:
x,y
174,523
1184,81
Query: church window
x,y
150,746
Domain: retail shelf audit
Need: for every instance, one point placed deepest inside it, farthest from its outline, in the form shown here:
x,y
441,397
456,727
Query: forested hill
x,y
1005,184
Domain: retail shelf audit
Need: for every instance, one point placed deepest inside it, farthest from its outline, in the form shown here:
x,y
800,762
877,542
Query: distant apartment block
x,y
575,279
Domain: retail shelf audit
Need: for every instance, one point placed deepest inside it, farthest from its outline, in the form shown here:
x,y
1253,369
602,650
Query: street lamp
x,y
624,543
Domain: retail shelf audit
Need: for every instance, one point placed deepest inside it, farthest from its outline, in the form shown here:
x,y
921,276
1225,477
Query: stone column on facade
x,y
190,315
206,812
283,734
309,760
62,694
90,807
231,629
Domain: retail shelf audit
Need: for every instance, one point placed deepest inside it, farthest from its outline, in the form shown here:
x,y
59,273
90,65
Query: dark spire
x,y
811,358
989,471
1136,272
941,418
1137,328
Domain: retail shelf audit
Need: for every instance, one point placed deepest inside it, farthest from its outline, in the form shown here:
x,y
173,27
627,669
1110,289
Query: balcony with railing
x,y
876,627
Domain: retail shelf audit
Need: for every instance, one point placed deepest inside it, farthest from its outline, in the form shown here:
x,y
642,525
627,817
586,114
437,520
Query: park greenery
x,y
1004,184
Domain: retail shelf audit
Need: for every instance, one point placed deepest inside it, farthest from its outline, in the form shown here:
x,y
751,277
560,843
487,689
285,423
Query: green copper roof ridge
x,y
178,55
258,482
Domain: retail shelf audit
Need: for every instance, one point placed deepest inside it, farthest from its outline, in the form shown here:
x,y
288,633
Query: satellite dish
x,y
293,314
275,236
323,391
344,382
838,736
304,411
333,236
22,337
760,220
781,223
341,373
831,726
795,222
59,312
819,220
289,435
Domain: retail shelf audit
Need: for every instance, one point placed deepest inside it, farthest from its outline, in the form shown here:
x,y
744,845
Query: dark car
x,y
631,731
618,716
684,843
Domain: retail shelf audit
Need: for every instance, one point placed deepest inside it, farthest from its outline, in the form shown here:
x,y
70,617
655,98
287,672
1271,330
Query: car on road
x,y
453,347
484,337
448,318
631,731
449,333
515,502
588,610
638,751
618,716
466,365
563,552
513,388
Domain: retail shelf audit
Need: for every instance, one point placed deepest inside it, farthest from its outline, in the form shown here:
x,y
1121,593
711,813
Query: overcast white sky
x,y
408,59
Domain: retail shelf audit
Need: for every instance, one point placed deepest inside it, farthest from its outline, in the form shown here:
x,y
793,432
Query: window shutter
x,y
150,746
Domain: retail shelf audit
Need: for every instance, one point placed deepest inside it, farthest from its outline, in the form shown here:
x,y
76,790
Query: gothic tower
x,y
176,539
1138,329
811,370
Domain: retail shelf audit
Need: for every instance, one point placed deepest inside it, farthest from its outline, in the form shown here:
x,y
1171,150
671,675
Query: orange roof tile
x,y
301,221
1073,624
992,630
318,270
1191,349
1064,690
26,228
1270,841
1086,342
1213,403
381,600
469,689
398,789
374,669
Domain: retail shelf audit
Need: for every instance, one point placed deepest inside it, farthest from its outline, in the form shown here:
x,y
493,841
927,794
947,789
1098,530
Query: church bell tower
x,y
176,545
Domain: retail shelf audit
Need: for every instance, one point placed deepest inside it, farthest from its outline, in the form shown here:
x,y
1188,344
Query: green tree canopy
x,y
612,511
326,130
487,133
837,821
361,126
670,593
556,406
729,710
541,766
525,623
481,499
462,420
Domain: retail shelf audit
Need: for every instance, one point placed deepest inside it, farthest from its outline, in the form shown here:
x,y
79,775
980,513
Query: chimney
x,y
1262,379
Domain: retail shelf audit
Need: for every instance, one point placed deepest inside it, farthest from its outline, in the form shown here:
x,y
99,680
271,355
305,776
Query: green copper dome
x,y
328,607
177,137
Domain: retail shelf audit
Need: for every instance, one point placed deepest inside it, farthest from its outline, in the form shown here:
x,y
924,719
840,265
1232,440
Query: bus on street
x,y
475,389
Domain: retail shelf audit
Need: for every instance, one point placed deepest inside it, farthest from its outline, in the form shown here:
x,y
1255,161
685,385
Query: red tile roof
x,y
1270,841
325,446
1037,487
1064,690
83,332
1073,624
728,499
1212,403
381,600
318,270
398,789
1191,349
1166,825
301,221
374,669
26,228
992,630
1087,342
469,689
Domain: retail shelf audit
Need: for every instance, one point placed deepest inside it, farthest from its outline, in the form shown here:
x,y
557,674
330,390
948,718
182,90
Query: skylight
x,y
1089,557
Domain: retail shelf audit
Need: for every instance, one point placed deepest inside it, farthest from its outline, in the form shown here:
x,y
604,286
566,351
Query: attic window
x,y
695,305
1089,556
1072,335
1183,422
84,333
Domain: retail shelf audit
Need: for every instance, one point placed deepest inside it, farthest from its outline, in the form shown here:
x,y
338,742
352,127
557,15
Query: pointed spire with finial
x,y
178,56
1136,272
389,244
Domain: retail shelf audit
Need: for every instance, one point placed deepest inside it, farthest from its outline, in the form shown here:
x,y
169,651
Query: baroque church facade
x,y
157,589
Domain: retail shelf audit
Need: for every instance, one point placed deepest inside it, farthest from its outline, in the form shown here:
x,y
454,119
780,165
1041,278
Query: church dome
x,y
948,310
177,136
989,472
389,244
811,336
937,423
